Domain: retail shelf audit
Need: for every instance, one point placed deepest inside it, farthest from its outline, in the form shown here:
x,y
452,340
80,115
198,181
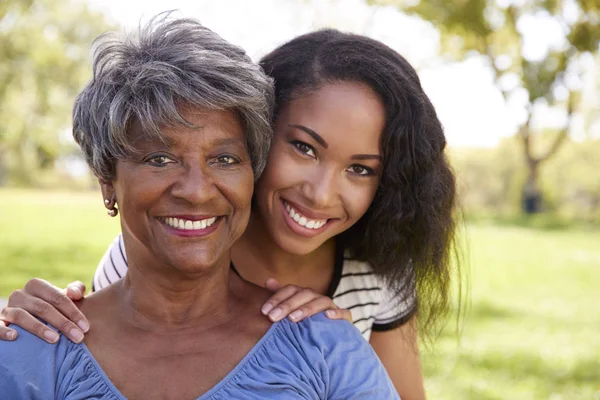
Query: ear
x,y
108,190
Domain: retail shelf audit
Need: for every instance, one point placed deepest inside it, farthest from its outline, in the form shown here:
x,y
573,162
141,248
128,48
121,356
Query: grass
x,y
59,236
532,328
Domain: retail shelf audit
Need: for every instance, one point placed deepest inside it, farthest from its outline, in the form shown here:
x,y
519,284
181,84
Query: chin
x,y
297,247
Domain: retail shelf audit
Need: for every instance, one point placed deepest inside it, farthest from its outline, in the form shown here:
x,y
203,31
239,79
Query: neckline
x,y
230,375
337,270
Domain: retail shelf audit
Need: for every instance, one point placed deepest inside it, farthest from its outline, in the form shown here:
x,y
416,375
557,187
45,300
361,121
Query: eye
x,y
159,160
304,148
358,169
227,159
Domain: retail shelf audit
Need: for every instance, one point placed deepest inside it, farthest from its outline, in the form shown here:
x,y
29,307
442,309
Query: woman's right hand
x,y
45,301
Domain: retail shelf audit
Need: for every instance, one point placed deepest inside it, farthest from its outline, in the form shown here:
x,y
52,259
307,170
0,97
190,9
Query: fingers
x,y
48,304
28,322
39,289
75,290
5,332
295,302
339,313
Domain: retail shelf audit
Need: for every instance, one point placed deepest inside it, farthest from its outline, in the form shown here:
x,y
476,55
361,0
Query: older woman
x,y
175,123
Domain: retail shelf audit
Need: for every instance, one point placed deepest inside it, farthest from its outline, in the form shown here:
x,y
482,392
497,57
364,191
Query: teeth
x,y
188,225
302,220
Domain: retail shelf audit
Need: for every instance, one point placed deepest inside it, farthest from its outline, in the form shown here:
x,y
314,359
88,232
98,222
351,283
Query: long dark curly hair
x,y
408,233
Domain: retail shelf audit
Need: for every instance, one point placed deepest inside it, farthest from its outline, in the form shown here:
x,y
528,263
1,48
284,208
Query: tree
x,y
496,30
45,53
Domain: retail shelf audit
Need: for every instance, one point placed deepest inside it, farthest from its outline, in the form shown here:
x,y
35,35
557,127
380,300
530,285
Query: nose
x,y
195,184
322,187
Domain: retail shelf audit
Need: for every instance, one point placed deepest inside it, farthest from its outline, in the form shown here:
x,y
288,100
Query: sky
x,y
469,105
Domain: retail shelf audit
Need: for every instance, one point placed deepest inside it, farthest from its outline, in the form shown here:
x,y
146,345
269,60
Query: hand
x,y
297,303
49,303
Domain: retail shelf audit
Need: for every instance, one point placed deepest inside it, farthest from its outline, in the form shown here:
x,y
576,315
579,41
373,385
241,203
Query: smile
x,y
302,220
188,225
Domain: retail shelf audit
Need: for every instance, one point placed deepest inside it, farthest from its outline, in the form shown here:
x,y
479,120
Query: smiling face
x,y
184,203
323,167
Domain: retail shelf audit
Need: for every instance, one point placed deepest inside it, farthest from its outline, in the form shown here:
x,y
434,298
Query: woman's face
x,y
184,203
323,167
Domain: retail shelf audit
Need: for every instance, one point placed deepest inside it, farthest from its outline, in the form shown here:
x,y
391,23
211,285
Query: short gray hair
x,y
148,77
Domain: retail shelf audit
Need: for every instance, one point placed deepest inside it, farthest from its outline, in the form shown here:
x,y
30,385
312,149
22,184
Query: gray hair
x,y
149,76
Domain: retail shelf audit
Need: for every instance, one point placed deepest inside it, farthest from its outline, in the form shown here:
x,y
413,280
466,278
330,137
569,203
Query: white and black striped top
x,y
354,287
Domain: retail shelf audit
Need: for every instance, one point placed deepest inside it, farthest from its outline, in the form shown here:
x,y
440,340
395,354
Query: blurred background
x,y
516,84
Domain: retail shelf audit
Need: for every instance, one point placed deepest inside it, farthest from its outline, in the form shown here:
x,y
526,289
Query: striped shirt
x,y
354,287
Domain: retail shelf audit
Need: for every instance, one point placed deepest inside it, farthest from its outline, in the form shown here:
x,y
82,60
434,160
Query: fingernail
x,y
296,315
51,336
266,308
12,335
76,335
83,325
274,315
330,313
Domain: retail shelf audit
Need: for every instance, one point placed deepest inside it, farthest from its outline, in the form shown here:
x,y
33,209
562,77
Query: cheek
x,y
281,172
238,188
137,189
358,202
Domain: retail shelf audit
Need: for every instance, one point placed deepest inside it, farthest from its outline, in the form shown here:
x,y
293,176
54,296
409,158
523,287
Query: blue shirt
x,y
315,359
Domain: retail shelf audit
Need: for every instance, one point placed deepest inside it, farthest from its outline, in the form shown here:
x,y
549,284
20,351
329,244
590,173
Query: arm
x,y
398,351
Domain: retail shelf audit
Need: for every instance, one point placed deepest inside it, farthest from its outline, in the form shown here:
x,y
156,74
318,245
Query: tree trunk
x,y
531,200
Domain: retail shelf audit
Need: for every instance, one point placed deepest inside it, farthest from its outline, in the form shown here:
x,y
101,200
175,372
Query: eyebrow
x,y
228,141
323,143
367,157
312,133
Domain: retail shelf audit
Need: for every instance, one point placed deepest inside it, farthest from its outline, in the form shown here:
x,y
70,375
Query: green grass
x,y
532,332
59,236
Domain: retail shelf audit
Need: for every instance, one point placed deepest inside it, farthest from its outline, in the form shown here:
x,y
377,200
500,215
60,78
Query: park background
x,y
516,84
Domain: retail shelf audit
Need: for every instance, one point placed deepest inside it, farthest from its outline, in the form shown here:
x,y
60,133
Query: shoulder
x,y
27,366
26,347
30,368
322,339
343,360
320,330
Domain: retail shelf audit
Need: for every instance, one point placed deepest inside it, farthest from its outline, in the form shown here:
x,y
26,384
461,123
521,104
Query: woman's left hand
x,y
297,303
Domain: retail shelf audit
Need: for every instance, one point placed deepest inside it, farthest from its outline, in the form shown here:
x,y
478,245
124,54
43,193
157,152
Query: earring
x,y
112,209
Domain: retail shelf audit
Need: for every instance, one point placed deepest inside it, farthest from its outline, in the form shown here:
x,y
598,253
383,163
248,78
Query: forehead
x,y
206,127
350,111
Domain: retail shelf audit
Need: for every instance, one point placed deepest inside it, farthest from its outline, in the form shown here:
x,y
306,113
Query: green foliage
x,y
490,180
496,30
531,332
44,48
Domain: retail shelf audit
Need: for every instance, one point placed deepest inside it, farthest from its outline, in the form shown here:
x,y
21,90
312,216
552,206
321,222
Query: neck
x,y
158,297
257,257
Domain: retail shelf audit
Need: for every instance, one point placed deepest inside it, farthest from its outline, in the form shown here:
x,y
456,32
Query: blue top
x,y
315,359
